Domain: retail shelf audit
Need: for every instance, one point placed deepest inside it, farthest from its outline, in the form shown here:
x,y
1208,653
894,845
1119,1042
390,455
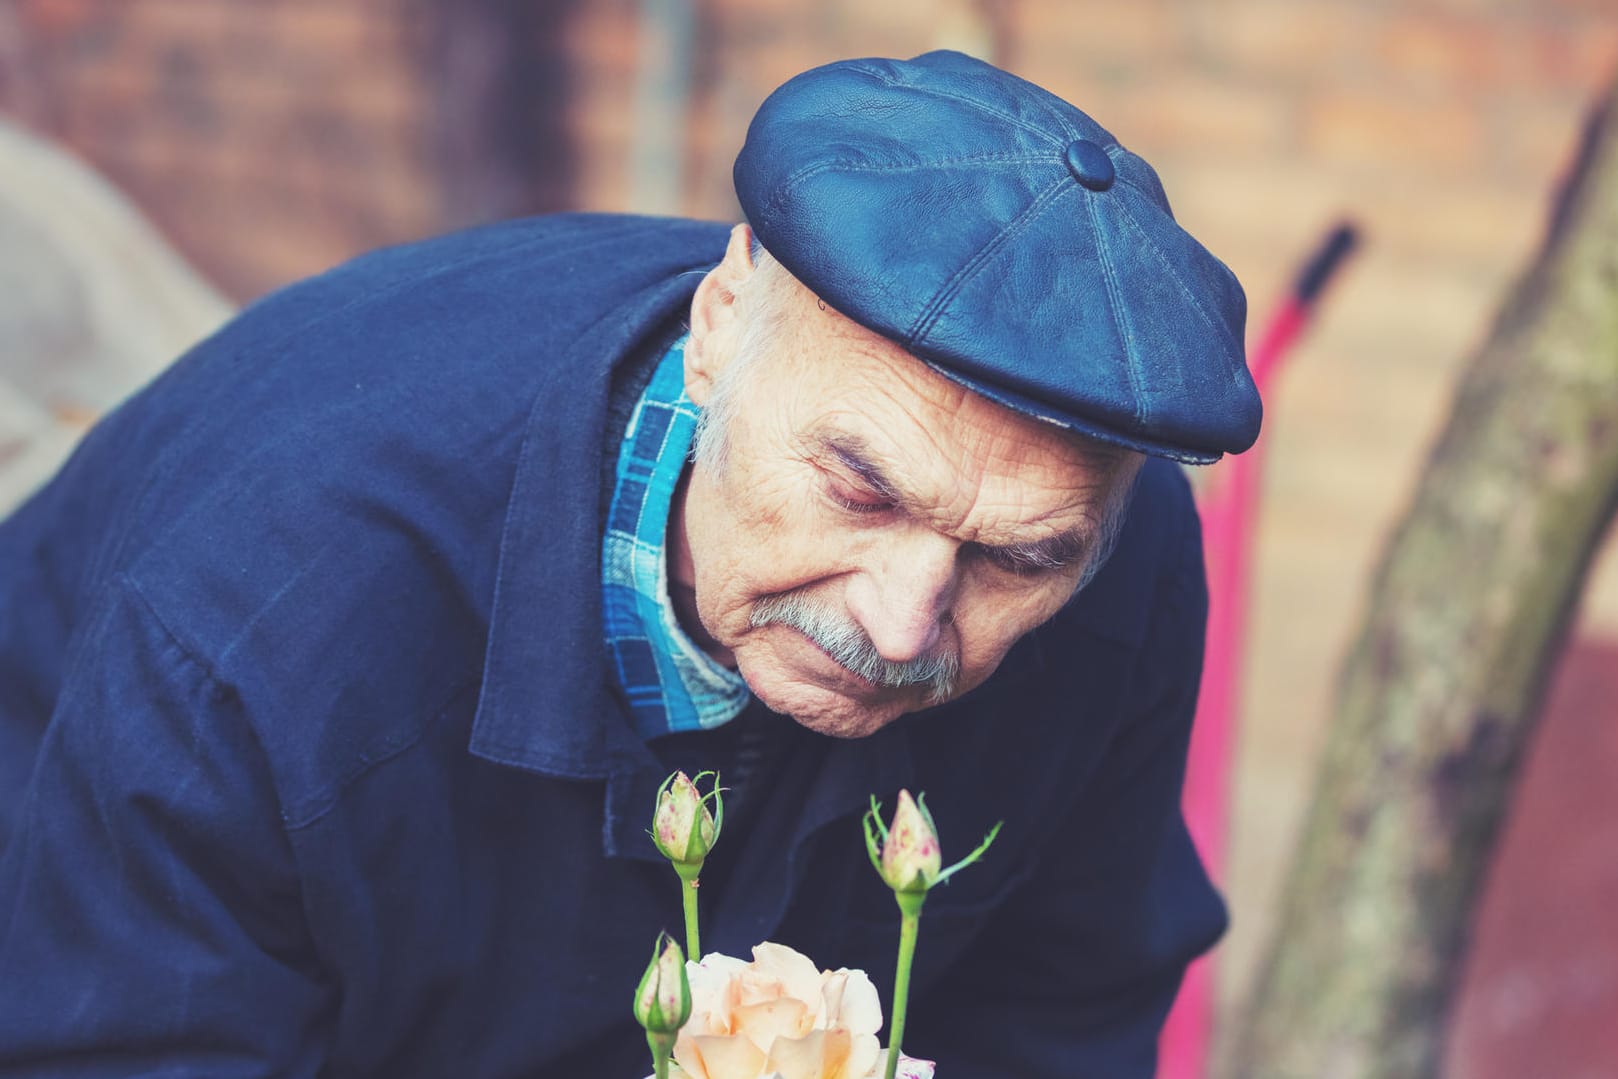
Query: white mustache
x,y
845,642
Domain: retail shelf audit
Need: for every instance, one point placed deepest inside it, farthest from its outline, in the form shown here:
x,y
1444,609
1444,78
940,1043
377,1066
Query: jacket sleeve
x,y
150,914
1075,975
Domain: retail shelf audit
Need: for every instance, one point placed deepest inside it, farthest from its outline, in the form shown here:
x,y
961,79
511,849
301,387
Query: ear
x,y
713,316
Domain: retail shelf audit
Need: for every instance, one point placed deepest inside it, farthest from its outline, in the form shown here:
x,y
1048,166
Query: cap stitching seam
x,y
1114,301
810,171
970,103
972,266
943,162
1190,297
1050,109
1149,196
930,314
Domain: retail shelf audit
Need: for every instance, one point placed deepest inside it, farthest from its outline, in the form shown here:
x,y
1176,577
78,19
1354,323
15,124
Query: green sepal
x,y
926,814
916,885
876,834
910,902
696,848
945,874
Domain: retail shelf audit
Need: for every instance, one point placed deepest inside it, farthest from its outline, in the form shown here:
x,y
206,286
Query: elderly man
x,y
351,651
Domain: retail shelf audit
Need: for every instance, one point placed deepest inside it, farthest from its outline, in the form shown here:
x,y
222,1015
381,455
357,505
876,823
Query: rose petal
x,y
753,986
722,1058
713,993
831,997
864,1054
911,1068
859,1009
821,1054
908,1067
686,1056
795,971
768,1020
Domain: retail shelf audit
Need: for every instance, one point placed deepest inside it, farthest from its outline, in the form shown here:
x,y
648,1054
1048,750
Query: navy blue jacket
x,y
310,764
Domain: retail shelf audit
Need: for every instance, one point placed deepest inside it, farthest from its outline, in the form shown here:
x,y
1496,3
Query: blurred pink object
x,y
1229,508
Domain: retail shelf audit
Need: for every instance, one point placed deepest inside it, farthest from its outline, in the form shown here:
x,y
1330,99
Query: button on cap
x,y
1090,165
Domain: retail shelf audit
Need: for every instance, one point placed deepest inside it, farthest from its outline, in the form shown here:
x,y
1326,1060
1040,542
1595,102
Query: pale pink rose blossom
x,y
780,1017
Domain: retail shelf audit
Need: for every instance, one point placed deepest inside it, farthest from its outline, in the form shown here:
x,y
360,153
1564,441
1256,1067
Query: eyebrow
x,y
855,455
1059,551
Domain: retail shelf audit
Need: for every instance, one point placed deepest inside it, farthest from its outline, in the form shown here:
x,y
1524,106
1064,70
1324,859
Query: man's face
x,y
867,508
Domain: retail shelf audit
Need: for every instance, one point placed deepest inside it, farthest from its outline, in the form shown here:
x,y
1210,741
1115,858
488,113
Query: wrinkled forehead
x,y
853,380
867,402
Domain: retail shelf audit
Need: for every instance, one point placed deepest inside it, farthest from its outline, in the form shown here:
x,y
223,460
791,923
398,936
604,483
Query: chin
x,y
846,723
823,710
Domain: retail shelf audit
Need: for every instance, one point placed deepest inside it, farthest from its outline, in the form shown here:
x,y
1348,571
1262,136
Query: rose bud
x,y
685,830
682,826
663,999
910,855
906,853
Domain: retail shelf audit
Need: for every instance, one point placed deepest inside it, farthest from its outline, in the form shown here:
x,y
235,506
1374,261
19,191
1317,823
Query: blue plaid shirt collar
x,y
670,683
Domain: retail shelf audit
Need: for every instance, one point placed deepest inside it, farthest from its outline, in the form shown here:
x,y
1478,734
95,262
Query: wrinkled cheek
x,y
972,677
981,643
757,498
985,646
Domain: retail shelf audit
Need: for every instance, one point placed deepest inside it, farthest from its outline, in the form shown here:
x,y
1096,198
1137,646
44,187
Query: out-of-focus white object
x,y
93,303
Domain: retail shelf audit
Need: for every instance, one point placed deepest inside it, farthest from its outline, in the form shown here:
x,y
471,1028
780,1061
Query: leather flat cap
x,y
1007,239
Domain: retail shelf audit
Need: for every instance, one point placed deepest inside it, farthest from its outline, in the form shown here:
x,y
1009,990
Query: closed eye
x,y
855,499
853,481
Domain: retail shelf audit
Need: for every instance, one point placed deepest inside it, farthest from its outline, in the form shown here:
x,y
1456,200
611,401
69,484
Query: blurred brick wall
x,y
267,139
743,49
273,138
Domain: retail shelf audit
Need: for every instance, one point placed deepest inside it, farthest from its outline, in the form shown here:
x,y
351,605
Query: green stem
x,y
909,923
662,1045
688,897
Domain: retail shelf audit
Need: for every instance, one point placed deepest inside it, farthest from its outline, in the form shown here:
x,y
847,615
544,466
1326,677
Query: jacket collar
x,y
544,704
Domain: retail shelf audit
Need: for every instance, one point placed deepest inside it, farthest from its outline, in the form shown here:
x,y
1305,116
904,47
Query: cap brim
x,y
1027,406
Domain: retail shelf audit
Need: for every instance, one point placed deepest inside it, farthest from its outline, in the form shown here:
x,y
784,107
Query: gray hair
x,y
1122,469
765,299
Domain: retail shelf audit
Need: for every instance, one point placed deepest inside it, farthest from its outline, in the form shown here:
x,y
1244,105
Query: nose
x,y
903,600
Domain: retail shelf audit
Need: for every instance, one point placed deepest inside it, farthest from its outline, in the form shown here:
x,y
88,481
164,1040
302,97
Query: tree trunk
x,y
1441,692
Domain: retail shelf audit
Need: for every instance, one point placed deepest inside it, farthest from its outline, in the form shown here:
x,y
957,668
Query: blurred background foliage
x,y
267,140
